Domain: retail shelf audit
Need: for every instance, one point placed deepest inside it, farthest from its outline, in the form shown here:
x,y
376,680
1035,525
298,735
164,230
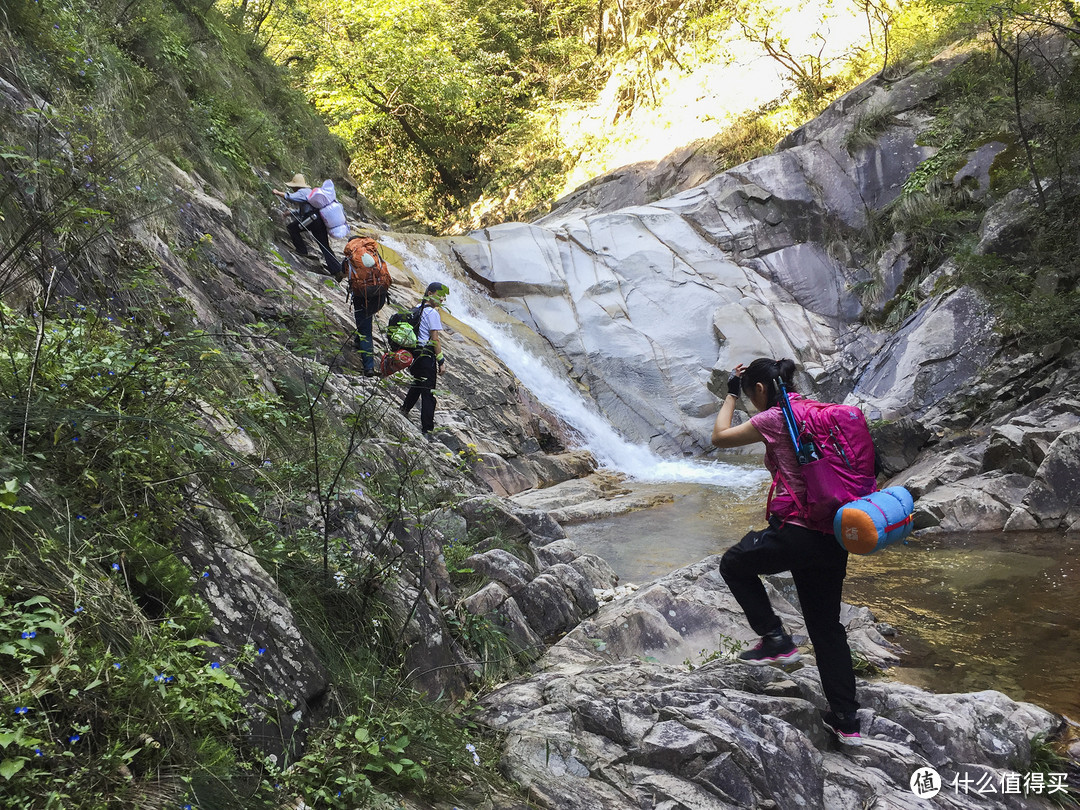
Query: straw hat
x,y
298,181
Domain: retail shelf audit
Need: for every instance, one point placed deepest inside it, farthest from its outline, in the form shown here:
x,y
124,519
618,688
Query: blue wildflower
x,y
261,650
79,609
116,566
215,665
22,710
74,738
29,634
117,665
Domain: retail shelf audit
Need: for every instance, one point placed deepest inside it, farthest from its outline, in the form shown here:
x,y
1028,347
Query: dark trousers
x,y
426,371
818,565
314,225
364,311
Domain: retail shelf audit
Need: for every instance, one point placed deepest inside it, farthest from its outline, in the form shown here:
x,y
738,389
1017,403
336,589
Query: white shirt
x,y
430,321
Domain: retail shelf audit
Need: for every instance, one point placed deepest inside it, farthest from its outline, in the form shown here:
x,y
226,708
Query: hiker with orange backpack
x,y
304,216
799,433
368,279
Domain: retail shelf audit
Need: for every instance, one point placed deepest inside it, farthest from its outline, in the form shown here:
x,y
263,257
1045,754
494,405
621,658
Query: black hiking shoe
x,y
772,650
844,726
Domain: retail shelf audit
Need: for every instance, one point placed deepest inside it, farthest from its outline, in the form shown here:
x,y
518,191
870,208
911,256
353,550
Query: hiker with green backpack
x,y
798,434
428,358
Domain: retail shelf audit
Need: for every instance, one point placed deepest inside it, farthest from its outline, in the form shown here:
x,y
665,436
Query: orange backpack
x,y
367,284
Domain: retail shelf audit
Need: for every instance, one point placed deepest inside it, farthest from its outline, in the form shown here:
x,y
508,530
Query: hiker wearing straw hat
x,y
305,217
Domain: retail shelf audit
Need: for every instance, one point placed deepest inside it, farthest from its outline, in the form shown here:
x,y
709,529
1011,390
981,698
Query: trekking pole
x,y
303,224
805,452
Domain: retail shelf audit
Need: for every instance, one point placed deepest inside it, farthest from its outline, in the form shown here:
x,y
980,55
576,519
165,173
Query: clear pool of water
x,y
974,611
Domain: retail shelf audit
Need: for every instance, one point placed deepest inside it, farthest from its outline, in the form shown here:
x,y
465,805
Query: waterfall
x,y
556,391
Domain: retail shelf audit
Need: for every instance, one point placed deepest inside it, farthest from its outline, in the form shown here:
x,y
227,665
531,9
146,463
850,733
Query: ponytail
x,y
767,371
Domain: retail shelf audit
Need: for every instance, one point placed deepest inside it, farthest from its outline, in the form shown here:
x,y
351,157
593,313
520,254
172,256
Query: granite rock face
x,y
651,304
625,711
253,622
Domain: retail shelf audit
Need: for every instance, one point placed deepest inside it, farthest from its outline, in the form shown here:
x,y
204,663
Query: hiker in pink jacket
x,y
817,562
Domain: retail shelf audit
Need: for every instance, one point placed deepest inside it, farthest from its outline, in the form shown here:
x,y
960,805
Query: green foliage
x,y
382,734
455,552
727,648
415,78
172,74
868,126
863,666
108,609
115,413
1031,280
354,754
1035,288
74,646
935,169
1057,769
748,137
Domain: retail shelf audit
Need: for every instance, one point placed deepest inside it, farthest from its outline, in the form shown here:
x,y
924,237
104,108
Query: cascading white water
x,y
559,394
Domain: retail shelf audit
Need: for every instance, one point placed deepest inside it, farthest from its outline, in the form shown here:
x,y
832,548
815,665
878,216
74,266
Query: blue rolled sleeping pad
x,y
875,521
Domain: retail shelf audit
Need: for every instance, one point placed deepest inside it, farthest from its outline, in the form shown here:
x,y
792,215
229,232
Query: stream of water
x,y
547,380
997,611
973,611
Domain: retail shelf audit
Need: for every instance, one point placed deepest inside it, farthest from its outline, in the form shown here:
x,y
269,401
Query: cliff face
x,y
762,260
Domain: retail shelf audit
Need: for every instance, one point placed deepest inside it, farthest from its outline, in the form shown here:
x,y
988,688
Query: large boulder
x,y
1001,451
611,720
940,349
1055,495
691,612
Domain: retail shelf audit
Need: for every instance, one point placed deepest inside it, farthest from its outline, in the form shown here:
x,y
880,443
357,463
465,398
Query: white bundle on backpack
x,y
333,216
323,195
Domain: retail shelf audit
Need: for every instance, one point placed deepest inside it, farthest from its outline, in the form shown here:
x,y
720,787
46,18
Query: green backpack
x,y
403,329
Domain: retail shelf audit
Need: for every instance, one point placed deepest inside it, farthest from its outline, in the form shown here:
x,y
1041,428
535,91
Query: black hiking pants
x,y
313,224
426,371
818,565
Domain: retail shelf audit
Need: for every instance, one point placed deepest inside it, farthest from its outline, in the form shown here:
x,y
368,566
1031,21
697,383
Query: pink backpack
x,y
836,457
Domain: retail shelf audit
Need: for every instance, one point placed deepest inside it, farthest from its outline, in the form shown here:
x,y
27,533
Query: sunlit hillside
x,y
461,114
699,100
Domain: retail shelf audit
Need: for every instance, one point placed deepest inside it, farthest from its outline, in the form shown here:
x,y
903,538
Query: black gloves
x,y
734,385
